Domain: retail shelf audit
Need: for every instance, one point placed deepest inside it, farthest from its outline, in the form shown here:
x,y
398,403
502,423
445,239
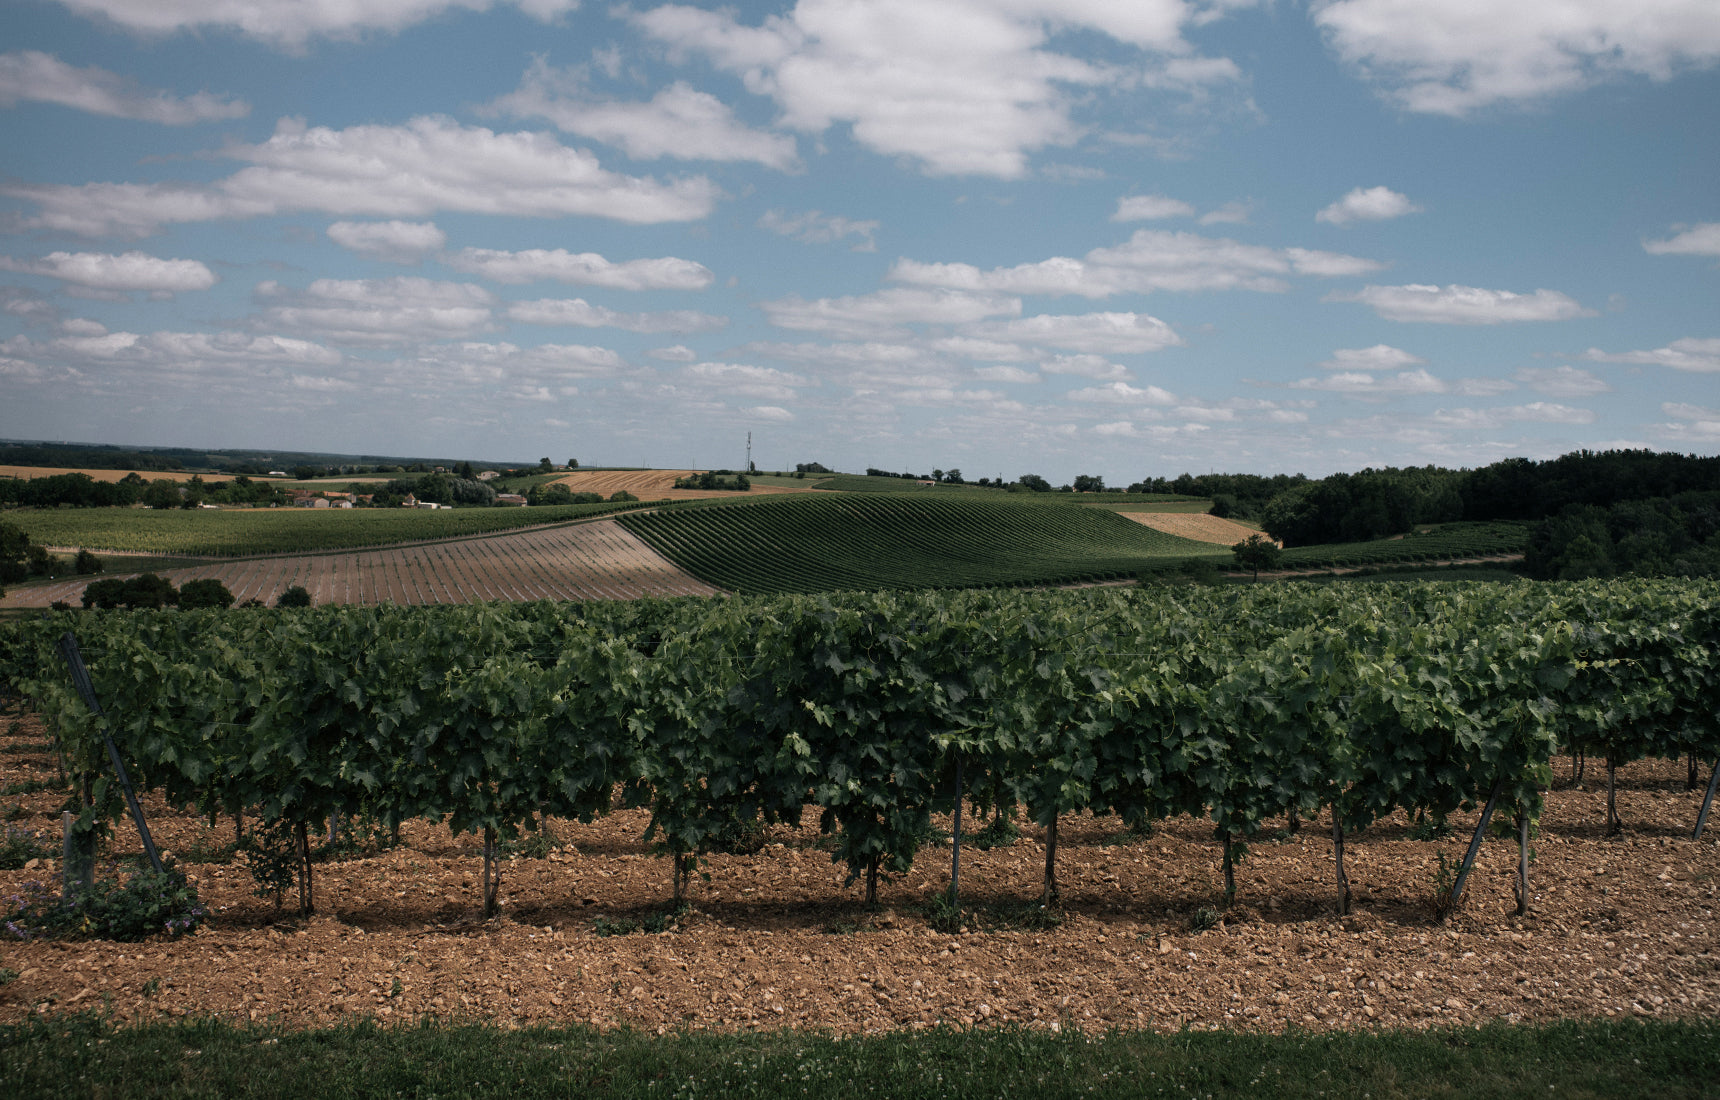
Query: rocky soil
x,y
774,938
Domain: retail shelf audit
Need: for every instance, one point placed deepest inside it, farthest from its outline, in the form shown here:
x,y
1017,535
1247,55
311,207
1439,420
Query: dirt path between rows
x,y
775,938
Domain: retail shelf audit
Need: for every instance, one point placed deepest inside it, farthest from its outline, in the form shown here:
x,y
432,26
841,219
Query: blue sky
x,y
1059,236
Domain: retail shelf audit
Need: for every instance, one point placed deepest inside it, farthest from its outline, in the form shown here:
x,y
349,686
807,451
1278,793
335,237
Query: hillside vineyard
x,y
1241,705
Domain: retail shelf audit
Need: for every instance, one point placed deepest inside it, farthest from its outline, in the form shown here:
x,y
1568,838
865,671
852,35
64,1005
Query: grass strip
x,y
83,1056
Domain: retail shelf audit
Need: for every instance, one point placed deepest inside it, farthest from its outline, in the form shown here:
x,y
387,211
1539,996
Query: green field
x,y
81,1056
247,531
817,543
1442,543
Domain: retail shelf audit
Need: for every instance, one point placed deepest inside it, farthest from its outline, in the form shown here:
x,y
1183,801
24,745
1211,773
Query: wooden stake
x,y
1474,848
1707,800
1048,896
1522,861
1343,879
1614,825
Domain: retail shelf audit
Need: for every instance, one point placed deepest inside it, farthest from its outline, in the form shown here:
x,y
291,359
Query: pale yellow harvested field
x,y
1201,528
654,485
26,472
587,561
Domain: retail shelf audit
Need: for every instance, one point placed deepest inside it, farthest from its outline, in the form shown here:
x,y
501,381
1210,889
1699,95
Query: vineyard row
x,y
1238,704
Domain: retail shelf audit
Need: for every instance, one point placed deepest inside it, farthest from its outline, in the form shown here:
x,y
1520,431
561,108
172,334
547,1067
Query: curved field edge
x,y
252,532
885,541
214,1057
595,560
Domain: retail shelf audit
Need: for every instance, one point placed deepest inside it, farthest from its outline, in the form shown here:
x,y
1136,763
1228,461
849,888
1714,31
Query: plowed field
x,y
657,485
1619,927
586,561
27,472
1201,528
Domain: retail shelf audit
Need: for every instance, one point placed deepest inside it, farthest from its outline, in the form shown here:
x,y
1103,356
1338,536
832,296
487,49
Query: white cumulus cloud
x,y
1094,333
679,121
1121,393
1140,208
431,163
1369,204
1150,260
1452,57
1563,381
584,268
1378,357
290,23
34,75
816,227
1695,240
103,271
884,312
1539,412
393,241
958,86
1689,354
400,310
577,311
1464,305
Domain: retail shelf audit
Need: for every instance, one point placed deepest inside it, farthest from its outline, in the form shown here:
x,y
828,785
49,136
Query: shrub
x,y
296,596
206,592
149,590
147,904
105,594
86,564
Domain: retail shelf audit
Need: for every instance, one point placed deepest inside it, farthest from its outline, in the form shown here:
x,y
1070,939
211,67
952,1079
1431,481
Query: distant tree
x,y
953,477
162,493
14,553
937,475
1035,483
573,463
1089,483
105,594
86,564
553,493
305,473
621,495
205,592
1256,552
149,591
544,466
465,470
43,564
296,596
1223,506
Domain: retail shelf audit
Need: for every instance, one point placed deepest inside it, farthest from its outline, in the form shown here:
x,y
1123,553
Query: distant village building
x,y
489,475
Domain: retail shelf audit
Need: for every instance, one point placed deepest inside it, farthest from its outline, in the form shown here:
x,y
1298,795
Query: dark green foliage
x,y
148,591
87,564
1664,536
1256,552
146,904
714,481
294,596
105,594
14,553
204,592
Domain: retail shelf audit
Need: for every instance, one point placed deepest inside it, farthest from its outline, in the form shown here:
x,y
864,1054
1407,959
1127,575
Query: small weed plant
x,y
149,903
20,846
